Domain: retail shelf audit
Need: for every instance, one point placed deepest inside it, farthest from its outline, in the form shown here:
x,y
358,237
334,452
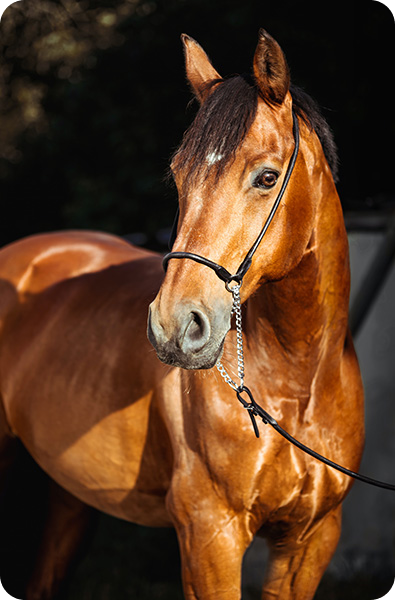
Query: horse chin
x,y
174,357
170,354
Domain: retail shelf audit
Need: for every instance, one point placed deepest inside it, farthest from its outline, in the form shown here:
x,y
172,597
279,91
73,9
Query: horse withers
x,y
165,442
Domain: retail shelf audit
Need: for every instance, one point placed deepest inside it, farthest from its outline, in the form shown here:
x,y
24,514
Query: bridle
x,y
255,410
220,271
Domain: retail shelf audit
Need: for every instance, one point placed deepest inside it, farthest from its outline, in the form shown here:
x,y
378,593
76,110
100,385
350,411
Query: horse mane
x,y
223,121
308,110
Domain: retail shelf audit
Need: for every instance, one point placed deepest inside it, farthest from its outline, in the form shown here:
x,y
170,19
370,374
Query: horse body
x,y
78,424
168,444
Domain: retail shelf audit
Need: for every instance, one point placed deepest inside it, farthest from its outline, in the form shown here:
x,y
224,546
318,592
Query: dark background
x,y
94,101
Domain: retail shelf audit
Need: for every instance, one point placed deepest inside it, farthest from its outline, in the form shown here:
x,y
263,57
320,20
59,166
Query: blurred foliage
x,y
93,100
43,40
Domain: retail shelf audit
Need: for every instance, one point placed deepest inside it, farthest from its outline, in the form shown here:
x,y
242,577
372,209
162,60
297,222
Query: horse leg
x,y
212,542
68,525
295,574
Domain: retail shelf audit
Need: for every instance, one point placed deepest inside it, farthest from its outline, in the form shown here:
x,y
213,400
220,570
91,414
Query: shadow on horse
x,y
165,442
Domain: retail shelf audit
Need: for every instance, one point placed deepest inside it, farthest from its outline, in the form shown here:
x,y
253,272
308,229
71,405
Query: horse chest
x,y
269,479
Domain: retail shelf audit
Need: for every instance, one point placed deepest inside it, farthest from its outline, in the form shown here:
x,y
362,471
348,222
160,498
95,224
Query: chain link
x,y
236,310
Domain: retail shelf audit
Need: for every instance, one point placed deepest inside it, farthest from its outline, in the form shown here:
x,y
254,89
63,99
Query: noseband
x,y
253,408
221,272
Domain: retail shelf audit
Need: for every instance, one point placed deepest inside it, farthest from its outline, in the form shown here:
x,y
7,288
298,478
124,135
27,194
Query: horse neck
x,y
300,322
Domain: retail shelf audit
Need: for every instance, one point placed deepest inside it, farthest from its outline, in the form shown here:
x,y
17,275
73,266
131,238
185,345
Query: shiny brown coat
x,y
159,444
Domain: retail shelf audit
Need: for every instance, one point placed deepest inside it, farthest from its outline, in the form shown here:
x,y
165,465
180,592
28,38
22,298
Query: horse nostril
x,y
195,328
196,333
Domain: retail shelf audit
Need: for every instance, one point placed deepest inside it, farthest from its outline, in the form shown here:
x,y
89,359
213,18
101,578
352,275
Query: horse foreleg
x,y
67,527
295,573
212,542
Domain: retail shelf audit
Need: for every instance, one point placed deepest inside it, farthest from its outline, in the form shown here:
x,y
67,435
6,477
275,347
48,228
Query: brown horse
x,y
168,444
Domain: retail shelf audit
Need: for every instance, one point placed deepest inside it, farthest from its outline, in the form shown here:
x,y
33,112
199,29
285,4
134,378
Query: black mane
x,y
224,119
308,110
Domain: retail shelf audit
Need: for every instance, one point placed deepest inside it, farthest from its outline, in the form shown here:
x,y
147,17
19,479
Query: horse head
x,y
228,170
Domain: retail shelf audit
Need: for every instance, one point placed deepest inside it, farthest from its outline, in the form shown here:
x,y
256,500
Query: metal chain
x,y
236,310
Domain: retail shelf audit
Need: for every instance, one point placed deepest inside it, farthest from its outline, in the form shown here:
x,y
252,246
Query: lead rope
x,y
254,410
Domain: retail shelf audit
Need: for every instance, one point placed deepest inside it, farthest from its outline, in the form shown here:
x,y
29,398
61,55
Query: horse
x,y
135,420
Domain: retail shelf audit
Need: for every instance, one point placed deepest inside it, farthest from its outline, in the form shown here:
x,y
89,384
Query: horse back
x,y
36,262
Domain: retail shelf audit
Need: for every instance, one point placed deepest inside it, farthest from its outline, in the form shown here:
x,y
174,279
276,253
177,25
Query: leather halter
x,y
221,272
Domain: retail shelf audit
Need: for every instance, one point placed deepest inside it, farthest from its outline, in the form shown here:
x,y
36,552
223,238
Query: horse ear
x,y
270,69
200,71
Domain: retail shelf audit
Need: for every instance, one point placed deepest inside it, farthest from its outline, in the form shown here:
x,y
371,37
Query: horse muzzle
x,y
192,338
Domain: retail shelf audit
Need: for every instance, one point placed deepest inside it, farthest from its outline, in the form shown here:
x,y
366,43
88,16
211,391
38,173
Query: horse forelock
x,y
210,143
219,128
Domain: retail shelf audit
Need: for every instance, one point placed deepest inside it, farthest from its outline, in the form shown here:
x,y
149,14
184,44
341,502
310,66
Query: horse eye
x,y
266,179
